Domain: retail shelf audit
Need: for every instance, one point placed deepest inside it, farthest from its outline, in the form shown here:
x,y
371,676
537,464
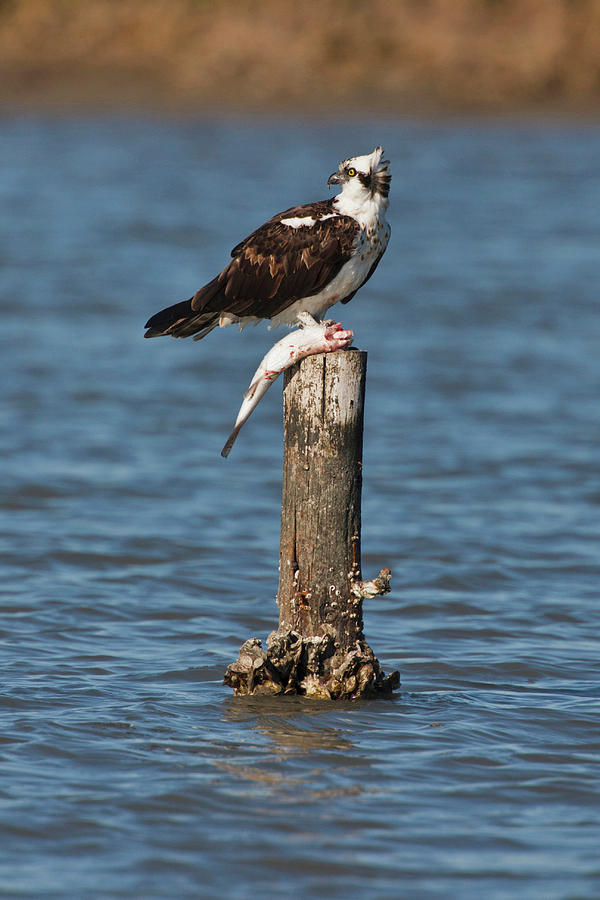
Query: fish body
x,y
313,337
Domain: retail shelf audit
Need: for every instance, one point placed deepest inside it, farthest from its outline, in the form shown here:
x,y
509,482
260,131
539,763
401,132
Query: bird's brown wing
x,y
279,264
272,268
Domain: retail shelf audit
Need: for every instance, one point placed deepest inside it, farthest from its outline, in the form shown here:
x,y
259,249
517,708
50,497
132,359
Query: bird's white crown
x,y
368,164
365,182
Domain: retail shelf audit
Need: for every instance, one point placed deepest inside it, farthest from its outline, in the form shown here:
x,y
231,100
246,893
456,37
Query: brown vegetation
x,y
403,56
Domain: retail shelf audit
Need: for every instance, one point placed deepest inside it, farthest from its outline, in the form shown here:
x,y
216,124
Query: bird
x,y
302,260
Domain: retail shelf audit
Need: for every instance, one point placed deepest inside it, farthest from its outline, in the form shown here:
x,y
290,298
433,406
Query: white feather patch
x,y
296,222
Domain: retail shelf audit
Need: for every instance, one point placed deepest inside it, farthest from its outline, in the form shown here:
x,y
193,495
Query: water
x,y
136,560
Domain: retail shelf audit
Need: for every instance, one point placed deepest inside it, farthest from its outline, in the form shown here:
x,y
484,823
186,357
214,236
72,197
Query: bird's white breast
x,y
372,241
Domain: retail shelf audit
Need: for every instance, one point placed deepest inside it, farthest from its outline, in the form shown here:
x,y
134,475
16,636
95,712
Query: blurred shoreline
x,y
431,58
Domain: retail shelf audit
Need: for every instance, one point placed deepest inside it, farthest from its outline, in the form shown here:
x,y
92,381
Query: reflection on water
x,y
136,560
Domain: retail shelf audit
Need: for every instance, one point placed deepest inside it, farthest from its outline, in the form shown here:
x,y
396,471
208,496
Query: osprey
x,y
303,260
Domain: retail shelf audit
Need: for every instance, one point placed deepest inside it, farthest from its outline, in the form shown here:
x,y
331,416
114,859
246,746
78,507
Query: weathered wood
x,y
322,483
319,648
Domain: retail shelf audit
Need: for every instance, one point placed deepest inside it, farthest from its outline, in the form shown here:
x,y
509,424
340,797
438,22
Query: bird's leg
x,y
305,319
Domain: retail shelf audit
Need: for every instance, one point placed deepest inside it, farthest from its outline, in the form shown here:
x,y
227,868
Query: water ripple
x,y
136,561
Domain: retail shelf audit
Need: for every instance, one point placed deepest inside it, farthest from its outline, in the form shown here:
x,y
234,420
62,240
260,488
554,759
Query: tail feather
x,y
187,317
162,322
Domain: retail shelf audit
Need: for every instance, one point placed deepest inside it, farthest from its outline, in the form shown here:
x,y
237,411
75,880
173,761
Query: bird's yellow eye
x,y
351,172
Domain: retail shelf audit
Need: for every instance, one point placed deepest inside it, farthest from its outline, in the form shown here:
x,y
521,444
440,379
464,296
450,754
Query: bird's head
x,y
364,177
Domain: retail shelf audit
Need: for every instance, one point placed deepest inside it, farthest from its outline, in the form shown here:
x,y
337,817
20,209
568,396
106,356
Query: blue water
x,y
136,560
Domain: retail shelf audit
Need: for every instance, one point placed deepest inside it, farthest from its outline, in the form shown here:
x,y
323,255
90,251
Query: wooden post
x,y
322,481
319,648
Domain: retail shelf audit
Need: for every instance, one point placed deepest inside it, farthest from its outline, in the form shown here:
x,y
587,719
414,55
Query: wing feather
x,y
278,264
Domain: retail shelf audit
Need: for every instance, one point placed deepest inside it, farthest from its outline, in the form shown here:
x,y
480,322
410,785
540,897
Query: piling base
x,y
309,666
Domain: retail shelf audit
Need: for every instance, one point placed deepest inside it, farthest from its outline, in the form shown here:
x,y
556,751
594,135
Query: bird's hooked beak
x,y
334,179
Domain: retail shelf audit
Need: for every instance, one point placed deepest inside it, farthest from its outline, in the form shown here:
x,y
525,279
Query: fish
x,y
311,338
